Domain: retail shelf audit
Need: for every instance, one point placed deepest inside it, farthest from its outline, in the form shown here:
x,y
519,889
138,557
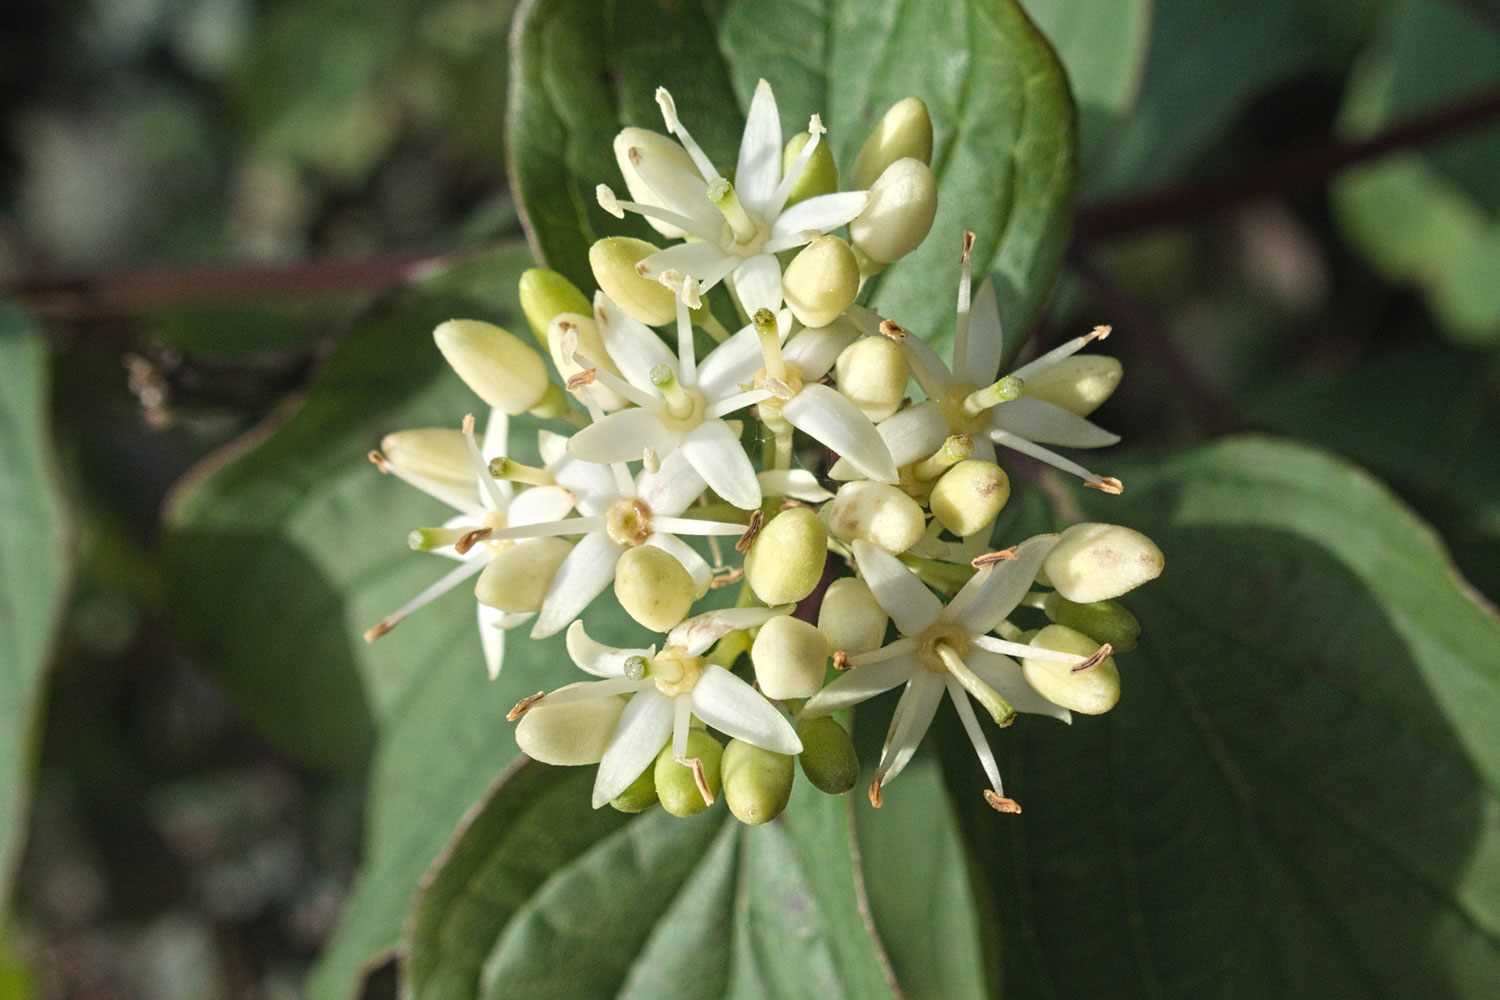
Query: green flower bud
x,y
828,758
757,782
1092,692
877,512
1095,562
820,176
654,144
590,344
613,260
545,294
436,453
653,587
821,281
677,783
903,203
640,796
501,369
517,577
790,658
969,496
573,733
851,618
872,374
785,562
1078,384
1102,621
906,130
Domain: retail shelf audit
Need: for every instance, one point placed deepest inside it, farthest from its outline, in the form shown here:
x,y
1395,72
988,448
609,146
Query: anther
x,y
757,519
381,628
875,797
840,660
892,330
471,539
524,705
583,378
991,558
1000,803
1105,484
1104,653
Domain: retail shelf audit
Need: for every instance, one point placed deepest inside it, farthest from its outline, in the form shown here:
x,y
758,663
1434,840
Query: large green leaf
x,y
1299,794
1002,117
33,567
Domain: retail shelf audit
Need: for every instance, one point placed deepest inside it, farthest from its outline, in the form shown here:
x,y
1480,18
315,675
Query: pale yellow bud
x,y
1097,562
653,587
1078,384
903,203
851,618
1102,621
876,512
517,578
969,496
560,336
790,658
785,562
821,281
906,130
653,144
544,295
872,374
613,260
677,784
819,176
757,782
439,454
502,369
570,734
1092,692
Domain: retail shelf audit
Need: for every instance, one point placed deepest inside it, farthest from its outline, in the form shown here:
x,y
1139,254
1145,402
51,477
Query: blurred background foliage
x,y
1290,211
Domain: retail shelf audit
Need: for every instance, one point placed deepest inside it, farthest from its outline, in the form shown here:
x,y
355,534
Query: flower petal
x,y
799,484
715,452
759,169
583,575
832,419
960,699
981,366
914,712
815,351
540,503
926,367
595,657
995,590
496,440
492,638
757,282
632,345
736,709
621,437
911,435
682,191
861,683
672,488
910,604
642,731
1047,423
701,631
821,213
733,363
1005,676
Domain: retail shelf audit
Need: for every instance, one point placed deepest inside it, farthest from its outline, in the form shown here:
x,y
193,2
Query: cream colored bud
x,y
969,496
821,281
1102,621
639,796
906,130
785,562
561,334
879,513
872,374
544,295
828,757
653,587
517,578
1092,692
653,144
570,734
819,176
757,782
1078,384
676,783
790,658
501,368
613,260
851,618
903,203
1097,562
436,453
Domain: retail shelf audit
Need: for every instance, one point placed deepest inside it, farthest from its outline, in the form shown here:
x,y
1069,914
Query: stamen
x,y
610,380
1000,803
444,584
841,660
674,125
679,403
892,330
507,468
472,539
876,799
757,519
498,501
686,289
699,778
1106,484
721,193
1052,458
991,558
524,705
687,362
1002,711
727,577
1104,653
954,450
1055,355
650,460
769,332
789,180
608,201
961,324
1008,388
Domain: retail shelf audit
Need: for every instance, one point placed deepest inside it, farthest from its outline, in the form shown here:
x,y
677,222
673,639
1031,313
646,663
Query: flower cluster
x,y
793,440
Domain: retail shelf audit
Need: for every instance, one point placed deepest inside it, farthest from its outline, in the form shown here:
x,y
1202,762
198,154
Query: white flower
x,y
667,689
740,227
946,648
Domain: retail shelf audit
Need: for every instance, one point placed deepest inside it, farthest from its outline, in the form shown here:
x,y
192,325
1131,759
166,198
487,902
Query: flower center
x,y
960,419
627,522
782,388
942,634
674,673
747,232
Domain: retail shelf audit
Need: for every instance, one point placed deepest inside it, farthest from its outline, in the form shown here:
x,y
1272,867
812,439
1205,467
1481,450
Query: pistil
x,y
721,193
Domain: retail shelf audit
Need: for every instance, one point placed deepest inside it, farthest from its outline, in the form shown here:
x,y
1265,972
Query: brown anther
x,y
699,778
875,797
642,520
963,254
1101,331
730,576
635,155
892,330
991,558
380,462
578,381
472,539
381,628
1000,803
1104,653
748,538
840,660
524,705
1105,484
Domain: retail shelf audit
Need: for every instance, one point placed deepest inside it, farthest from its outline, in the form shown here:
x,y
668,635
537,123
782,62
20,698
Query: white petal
x,y
592,485
995,590
540,503
1047,423
832,419
596,658
1004,675
551,445
632,345
684,553
757,282
815,351
822,213
911,435
681,191
759,169
735,401
701,631
640,734
799,484
621,437
492,638
913,716
731,364
496,440
583,575
715,452
902,646
897,590
981,366
736,709
960,699
928,369
861,683
672,488
694,260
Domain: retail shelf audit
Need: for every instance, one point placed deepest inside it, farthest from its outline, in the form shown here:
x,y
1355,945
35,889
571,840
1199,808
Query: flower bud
x,y
1095,562
757,782
851,618
785,562
573,733
969,496
653,144
1092,692
790,658
591,345
639,796
676,785
517,578
903,203
613,260
1102,621
544,295
1078,384
879,513
500,368
819,176
821,281
435,453
872,374
828,758
653,587
906,130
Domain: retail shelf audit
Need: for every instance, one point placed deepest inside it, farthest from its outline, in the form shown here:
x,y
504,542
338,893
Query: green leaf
x,y
1299,794
1002,117
33,568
